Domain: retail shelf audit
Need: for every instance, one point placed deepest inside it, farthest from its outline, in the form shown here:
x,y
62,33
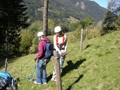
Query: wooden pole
x,y
6,65
57,70
45,17
86,33
81,40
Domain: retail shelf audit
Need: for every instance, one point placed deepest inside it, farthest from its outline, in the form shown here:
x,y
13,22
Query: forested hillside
x,y
61,10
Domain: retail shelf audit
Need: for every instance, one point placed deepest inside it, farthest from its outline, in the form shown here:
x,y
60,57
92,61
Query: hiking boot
x,y
36,82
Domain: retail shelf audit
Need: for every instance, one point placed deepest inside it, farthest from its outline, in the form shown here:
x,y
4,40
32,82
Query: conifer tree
x,y
12,19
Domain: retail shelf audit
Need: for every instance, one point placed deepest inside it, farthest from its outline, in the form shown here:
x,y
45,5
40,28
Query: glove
x,y
60,52
63,51
63,54
35,59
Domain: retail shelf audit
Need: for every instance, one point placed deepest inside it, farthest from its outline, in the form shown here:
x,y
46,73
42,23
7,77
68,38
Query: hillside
x,y
61,10
96,67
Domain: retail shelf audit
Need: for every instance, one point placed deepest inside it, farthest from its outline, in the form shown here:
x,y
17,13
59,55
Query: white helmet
x,y
40,34
57,29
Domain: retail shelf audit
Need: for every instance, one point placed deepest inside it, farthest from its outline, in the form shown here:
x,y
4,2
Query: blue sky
x,y
102,3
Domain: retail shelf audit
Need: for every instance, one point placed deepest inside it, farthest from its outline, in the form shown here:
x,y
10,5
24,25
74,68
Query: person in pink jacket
x,y
41,59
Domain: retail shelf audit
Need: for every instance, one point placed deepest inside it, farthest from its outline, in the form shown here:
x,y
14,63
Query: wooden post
x,y
86,33
6,64
45,17
57,70
81,40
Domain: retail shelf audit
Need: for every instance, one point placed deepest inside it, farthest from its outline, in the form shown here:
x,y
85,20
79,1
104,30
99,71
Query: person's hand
x,y
60,52
63,51
63,54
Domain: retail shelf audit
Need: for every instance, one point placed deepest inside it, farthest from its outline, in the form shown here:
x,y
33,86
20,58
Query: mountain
x,y
61,10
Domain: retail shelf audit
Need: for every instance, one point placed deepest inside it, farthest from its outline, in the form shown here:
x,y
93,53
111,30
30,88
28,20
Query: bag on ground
x,y
6,80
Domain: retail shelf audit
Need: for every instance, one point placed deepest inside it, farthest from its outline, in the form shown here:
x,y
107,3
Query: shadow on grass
x,y
9,60
71,66
2,63
77,80
89,45
49,77
5,61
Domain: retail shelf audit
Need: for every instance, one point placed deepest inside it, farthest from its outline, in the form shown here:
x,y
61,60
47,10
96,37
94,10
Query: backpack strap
x,y
45,41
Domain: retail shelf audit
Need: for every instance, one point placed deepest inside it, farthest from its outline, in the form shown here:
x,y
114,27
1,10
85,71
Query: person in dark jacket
x,y
41,60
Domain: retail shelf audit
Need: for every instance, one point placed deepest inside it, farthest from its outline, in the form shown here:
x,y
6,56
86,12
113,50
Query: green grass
x,y
96,67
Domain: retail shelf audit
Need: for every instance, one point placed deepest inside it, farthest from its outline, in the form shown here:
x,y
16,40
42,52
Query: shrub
x,y
26,42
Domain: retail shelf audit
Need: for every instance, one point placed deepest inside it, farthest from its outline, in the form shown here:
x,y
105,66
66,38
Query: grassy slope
x,y
96,67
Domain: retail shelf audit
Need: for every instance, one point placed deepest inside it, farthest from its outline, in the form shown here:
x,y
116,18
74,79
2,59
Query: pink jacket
x,y
42,48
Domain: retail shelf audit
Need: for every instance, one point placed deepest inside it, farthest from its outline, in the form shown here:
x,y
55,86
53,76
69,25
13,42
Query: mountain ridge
x,y
60,10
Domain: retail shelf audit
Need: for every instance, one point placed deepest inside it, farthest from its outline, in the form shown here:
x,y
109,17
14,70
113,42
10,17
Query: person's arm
x,y
66,43
40,50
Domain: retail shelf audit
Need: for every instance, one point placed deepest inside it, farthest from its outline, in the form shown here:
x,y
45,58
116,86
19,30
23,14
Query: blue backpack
x,y
49,50
5,79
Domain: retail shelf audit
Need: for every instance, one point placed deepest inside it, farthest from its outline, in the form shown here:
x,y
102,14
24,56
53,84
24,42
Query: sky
x,y
102,3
